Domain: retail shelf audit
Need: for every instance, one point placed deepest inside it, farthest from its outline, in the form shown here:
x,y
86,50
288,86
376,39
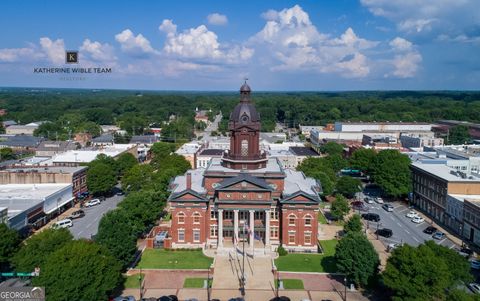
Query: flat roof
x,y
20,197
445,172
86,156
303,151
46,169
180,182
212,152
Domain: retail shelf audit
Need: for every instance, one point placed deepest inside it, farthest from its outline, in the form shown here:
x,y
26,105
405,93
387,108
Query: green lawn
x,y
291,284
321,263
132,281
162,259
194,282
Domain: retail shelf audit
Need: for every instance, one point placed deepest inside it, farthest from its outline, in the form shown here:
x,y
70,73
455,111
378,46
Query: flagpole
x,y
243,264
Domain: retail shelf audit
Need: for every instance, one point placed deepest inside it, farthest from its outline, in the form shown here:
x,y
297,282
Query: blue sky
x,y
213,45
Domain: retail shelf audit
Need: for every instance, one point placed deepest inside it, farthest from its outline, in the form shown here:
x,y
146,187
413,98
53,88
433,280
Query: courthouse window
x,y
181,218
244,150
196,235
308,220
213,231
196,218
291,220
181,235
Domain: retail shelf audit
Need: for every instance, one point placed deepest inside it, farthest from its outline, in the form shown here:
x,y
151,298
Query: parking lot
x,y
404,230
87,226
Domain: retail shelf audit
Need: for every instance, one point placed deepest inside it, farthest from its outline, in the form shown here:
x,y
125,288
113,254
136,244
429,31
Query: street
x,y
404,230
87,226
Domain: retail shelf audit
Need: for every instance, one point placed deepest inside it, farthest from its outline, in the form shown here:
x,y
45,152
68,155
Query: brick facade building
x,y
244,197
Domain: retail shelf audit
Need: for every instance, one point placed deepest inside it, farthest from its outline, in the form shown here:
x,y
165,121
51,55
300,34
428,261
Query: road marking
x,y
391,217
407,231
415,239
419,224
403,210
452,246
441,241
80,233
88,226
400,225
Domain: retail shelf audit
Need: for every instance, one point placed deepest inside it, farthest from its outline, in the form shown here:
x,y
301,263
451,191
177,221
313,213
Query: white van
x,y
64,223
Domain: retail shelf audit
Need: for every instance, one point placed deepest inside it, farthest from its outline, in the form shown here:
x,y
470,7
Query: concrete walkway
x,y
228,272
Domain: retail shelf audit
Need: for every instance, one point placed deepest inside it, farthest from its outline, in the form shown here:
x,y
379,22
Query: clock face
x,y
244,118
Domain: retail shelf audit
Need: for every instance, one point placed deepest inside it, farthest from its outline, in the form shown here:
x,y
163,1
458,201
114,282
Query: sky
x,y
278,45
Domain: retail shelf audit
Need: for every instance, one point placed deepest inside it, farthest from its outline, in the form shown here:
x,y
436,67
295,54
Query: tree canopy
x,y
354,224
363,159
340,207
80,270
348,186
125,162
332,148
392,173
34,251
8,244
458,135
424,272
356,257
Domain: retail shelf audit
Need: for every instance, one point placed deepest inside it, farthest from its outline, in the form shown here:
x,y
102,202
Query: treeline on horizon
x,y
134,110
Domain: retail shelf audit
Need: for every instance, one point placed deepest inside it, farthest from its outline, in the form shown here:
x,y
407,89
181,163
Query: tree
x,y
356,257
392,173
137,177
80,270
325,181
162,149
348,186
354,224
101,178
34,252
336,162
8,244
458,135
363,159
424,272
89,127
174,162
117,234
339,207
332,148
7,153
51,131
125,162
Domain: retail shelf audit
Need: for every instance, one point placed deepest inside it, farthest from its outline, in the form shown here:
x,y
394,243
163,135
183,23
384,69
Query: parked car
x,y
358,205
384,232
411,214
368,200
92,203
371,217
430,230
474,287
418,220
379,200
126,298
438,235
475,264
465,252
64,223
120,193
387,207
77,214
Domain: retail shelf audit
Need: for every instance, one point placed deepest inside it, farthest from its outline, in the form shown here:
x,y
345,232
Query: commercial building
x,y
244,197
414,141
76,176
82,156
189,152
51,148
20,143
442,193
34,204
204,157
306,129
18,129
3,215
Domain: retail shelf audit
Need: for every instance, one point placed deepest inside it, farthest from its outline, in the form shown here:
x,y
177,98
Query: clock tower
x,y
244,128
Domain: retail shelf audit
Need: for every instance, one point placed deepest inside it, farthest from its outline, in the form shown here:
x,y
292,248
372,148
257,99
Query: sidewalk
x,y
63,215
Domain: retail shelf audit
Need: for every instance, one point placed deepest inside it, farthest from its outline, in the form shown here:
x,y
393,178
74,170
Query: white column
x,y
252,225
220,228
267,227
235,226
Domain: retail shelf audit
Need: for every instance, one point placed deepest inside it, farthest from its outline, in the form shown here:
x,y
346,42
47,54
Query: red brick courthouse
x,y
244,196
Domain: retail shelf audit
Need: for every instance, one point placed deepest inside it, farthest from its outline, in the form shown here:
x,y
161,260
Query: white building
x,y
382,127
34,203
412,141
81,156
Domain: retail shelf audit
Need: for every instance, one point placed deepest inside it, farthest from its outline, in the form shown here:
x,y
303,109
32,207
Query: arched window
x,y
196,218
308,220
291,219
244,150
181,217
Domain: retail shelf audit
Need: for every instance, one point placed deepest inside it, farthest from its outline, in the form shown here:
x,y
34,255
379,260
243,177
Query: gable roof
x,y
291,198
241,178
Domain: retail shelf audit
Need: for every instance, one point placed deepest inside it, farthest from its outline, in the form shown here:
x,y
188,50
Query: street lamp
x,y
140,284
278,282
378,225
208,285
345,286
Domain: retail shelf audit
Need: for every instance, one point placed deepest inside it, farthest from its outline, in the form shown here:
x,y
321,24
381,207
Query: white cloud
x,y
11,55
201,44
406,59
294,43
134,44
429,18
98,51
217,19
55,50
